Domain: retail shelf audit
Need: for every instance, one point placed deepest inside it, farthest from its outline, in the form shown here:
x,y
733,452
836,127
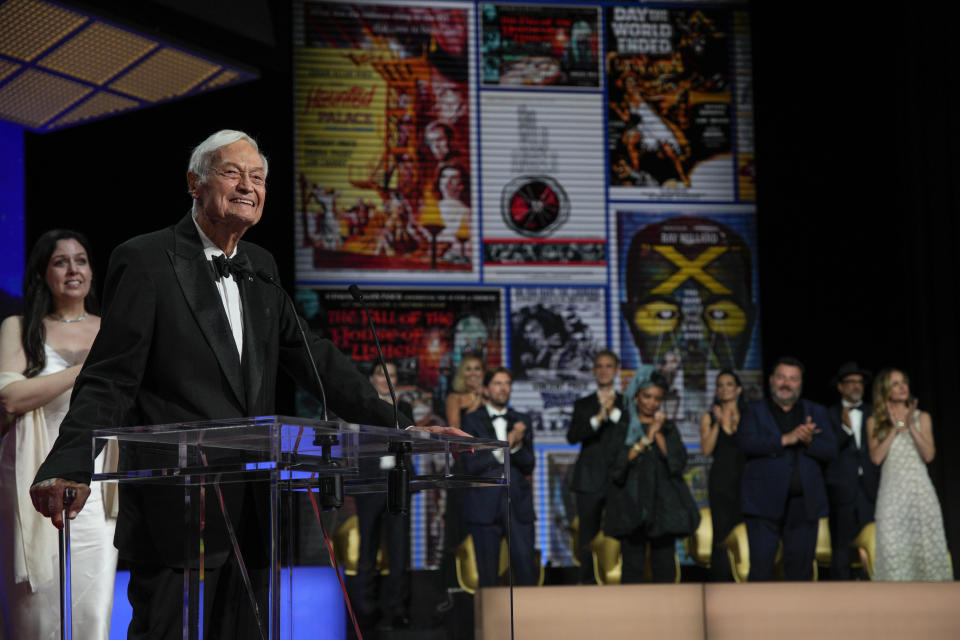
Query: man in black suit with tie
x,y
852,479
182,341
485,509
593,415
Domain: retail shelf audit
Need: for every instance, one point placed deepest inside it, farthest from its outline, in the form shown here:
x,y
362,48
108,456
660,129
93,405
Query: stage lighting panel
x,y
167,74
30,27
102,104
98,53
34,97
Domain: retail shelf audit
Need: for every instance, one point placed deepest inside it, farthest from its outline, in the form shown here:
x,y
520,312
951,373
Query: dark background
x,y
855,127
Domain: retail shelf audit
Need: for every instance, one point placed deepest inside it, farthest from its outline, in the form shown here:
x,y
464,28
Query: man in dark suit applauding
x,y
485,509
784,439
852,479
592,415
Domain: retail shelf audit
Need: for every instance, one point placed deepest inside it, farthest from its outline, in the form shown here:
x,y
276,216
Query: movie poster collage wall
x,y
530,183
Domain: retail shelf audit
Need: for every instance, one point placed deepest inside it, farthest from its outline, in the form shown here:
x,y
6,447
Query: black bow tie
x,y
237,266
494,416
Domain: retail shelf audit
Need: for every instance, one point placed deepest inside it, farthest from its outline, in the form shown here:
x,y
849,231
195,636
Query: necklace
x,y
898,421
68,320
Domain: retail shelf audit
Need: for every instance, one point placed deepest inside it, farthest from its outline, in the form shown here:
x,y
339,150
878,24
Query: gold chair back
x,y
699,545
346,548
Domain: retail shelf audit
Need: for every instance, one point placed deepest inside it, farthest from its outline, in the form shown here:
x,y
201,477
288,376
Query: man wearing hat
x,y
852,479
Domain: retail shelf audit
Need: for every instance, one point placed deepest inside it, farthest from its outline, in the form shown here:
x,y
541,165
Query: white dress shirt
x,y
500,427
856,422
613,416
227,286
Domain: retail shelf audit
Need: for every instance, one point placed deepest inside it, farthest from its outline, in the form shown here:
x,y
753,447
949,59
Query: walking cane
x,y
66,610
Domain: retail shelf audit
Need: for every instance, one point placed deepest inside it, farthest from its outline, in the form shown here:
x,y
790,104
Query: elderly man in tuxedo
x,y
190,333
593,417
485,509
852,478
785,440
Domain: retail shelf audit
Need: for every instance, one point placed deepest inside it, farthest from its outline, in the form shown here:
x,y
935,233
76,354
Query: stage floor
x,y
777,610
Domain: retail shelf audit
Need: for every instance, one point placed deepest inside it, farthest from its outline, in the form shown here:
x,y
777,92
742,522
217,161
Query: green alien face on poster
x,y
689,294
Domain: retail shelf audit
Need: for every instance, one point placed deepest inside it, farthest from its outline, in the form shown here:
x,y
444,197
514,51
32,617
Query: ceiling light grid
x,y
60,67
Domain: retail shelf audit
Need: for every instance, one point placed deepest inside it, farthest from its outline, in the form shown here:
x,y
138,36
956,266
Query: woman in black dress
x,y
718,437
648,501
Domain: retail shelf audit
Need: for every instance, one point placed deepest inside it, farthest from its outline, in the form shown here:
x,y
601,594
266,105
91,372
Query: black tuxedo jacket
x,y
165,354
481,505
591,471
843,474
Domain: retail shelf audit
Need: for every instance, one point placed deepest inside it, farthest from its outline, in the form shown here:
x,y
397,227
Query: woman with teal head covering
x,y
648,503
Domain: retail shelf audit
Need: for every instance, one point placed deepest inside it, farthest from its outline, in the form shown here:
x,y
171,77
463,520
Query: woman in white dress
x,y
911,544
41,354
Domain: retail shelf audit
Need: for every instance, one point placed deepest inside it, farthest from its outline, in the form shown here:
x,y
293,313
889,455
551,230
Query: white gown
x,y
911,544
24,614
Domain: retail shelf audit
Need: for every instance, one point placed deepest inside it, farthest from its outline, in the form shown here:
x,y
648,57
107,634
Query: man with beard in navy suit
x,y
485,509
785,440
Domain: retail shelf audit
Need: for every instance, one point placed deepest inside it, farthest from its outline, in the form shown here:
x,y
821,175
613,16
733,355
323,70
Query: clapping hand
x,y
657,424
717,413
805,431
515,436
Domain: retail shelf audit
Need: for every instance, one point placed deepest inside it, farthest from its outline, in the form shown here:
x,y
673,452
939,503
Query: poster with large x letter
x,y
688,302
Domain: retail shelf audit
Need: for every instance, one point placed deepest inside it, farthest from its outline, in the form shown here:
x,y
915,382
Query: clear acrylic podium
x,y
282,455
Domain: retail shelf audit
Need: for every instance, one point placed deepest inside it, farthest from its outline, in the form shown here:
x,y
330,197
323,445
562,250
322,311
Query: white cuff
x,y
615,414
594,423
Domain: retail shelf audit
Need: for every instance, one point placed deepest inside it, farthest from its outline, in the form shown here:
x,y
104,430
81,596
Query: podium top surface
x,y
242,449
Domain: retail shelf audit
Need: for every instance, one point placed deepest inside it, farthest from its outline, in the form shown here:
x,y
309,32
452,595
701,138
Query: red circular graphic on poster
x,y
534,205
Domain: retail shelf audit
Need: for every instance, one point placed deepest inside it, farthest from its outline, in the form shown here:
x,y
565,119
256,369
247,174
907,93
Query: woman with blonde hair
x,y
911,544
467,392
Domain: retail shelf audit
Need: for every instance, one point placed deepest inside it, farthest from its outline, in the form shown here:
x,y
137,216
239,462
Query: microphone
x,y
398,478
329,487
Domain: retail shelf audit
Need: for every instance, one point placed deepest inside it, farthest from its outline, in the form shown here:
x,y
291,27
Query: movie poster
x,y
688,303
669,103
425,333
555,332
542,196
383,142
536,45
743,72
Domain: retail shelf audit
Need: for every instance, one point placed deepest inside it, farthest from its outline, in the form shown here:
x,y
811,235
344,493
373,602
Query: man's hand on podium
x,y
447,431
47,496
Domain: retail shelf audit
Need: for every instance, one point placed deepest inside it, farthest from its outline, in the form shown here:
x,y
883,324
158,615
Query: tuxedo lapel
x,y
488,425
594,404
256,322
196,283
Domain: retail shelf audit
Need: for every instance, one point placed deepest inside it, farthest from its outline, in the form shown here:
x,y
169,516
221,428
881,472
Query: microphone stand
x,y
398,478
330,487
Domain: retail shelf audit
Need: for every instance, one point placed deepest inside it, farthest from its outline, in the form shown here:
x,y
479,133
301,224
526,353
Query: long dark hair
x,y
37,301
741,402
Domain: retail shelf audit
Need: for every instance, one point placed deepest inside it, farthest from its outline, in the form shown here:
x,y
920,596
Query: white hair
x,y
203,153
